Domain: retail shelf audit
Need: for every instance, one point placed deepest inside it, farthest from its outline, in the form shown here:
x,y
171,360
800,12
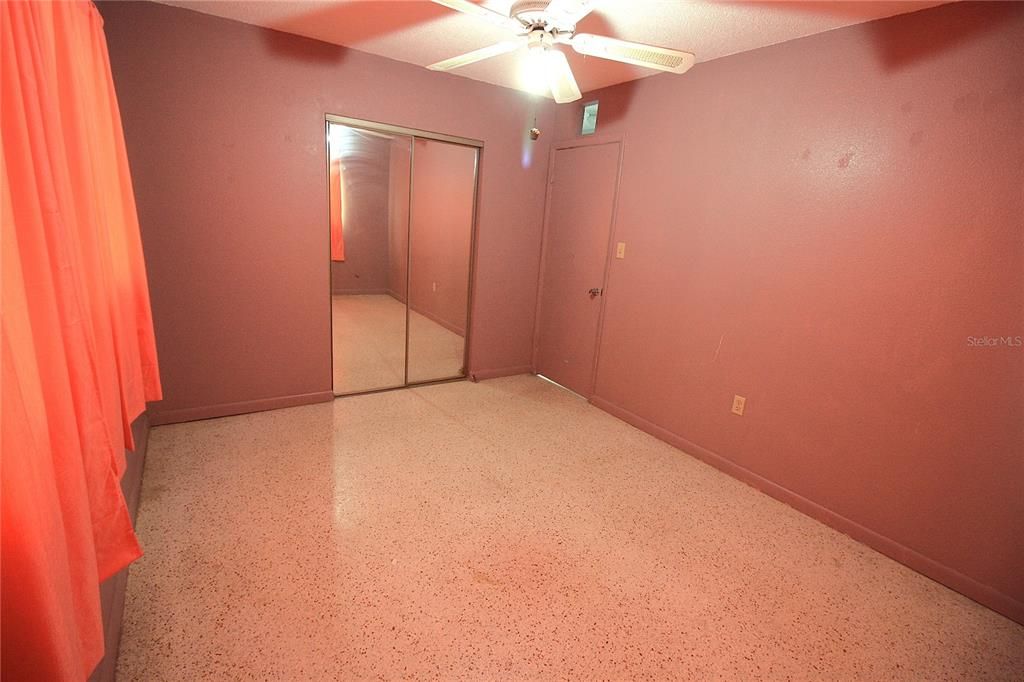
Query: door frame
x,y
589,141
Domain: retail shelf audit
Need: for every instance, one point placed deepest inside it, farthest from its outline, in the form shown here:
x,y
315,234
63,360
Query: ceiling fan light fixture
x,y
563,84
533,76
535,65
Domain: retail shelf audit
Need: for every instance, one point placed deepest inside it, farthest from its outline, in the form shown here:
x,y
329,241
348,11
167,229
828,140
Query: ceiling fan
x,y
541,24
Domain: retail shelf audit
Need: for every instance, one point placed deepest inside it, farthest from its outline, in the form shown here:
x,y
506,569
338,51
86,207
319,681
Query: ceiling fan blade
x,y
478,55
567,13
563,83
479,11
638,54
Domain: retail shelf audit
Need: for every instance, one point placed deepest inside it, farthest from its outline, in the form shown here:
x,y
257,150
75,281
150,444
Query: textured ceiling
x,y
421,32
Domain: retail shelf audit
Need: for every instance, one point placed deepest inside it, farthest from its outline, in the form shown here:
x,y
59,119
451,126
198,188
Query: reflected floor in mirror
x,y
369,344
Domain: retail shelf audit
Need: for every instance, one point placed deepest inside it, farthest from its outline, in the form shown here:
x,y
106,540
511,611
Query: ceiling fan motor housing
x,y
531,13
539,39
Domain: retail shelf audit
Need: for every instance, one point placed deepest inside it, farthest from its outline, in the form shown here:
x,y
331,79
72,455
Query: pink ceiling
x,y
421,32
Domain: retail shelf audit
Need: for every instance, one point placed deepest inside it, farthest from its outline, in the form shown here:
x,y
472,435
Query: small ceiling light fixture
x,y
545,70
534,66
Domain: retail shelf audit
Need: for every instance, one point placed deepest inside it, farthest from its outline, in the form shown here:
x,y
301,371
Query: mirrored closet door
x,y
401,216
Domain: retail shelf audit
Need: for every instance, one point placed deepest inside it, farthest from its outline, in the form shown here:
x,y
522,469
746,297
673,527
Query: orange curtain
x,y
78,352
337,236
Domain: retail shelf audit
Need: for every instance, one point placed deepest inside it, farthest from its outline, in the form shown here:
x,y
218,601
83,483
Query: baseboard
x,y
112,591
481,375
188,414
983,594
359,292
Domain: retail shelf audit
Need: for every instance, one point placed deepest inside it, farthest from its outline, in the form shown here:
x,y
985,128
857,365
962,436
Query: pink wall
x,y
442,221
441,225
225,133
365,161
399,173
820,226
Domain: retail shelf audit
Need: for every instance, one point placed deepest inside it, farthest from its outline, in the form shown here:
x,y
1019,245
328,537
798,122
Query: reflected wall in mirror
x,y
369,195
441,230
402,210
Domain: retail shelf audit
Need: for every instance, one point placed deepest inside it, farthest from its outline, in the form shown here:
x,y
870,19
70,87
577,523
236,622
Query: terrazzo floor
x,y
507,530
369,344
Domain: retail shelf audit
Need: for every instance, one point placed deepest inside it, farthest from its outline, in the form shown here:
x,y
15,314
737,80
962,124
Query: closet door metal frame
x,y
413,133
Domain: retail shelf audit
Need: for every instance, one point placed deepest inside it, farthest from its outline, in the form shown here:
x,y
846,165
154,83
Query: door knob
x,y
596,291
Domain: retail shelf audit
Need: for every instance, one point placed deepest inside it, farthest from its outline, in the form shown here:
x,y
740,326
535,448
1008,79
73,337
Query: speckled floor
x,y
501,531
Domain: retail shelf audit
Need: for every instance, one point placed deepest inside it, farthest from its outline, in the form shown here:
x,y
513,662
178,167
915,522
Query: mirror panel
x,y
440,244
369,176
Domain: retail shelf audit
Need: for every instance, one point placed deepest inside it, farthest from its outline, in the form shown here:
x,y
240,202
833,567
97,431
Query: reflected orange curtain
x,y
337,236
78,352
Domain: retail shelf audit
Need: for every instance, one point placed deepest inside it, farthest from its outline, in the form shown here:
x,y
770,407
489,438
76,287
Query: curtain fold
x,y
337,234
78,350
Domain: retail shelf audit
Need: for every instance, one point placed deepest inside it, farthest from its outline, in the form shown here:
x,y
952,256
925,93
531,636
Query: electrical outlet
x,y
620,250
739,403
435,286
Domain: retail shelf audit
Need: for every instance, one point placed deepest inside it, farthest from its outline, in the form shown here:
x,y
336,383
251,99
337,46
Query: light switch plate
x,y
620,250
